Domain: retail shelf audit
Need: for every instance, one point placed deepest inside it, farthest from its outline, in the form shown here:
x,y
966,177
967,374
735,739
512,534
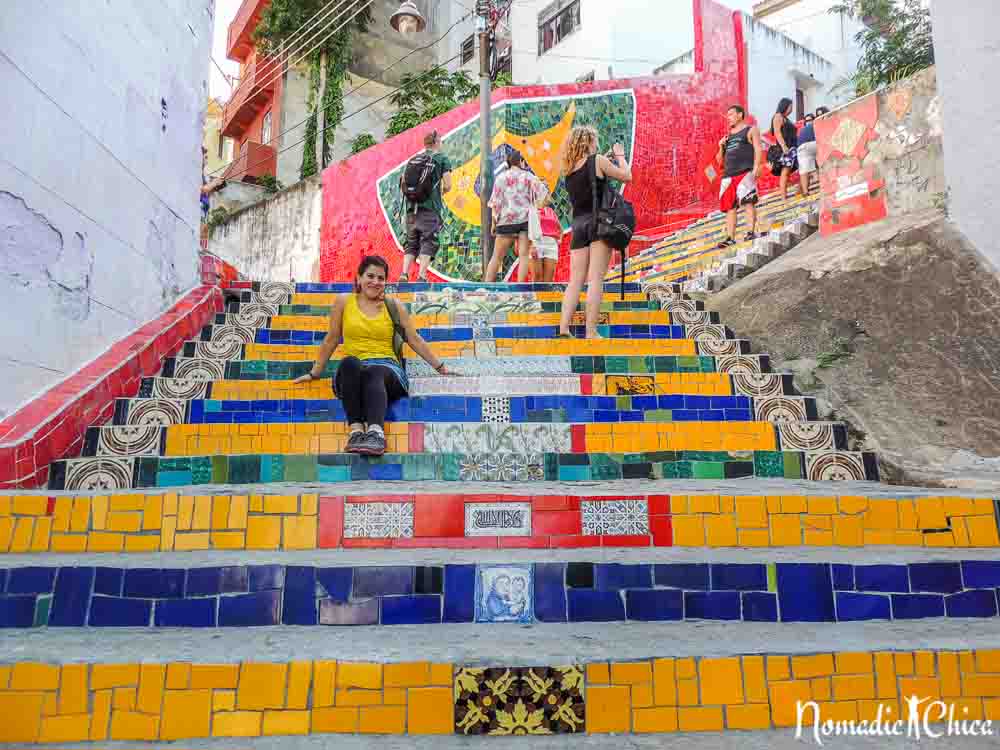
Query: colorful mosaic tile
x,y
525,701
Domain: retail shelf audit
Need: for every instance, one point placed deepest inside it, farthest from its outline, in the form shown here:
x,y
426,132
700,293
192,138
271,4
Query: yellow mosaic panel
x,y
846,521
311,438
49,703
291,438
164,523
624,317
504,348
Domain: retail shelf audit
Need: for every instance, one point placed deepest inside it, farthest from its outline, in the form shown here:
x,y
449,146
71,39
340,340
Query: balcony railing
x,y
255,161
241,29
253,93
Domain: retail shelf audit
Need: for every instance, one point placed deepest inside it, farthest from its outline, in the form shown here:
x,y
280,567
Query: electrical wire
x,y
350,115
288,48
358,87
277,69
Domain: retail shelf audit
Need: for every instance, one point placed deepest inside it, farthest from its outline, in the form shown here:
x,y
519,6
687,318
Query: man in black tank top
x,y
741,153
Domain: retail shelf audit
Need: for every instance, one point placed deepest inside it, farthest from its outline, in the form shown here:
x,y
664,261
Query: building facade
x,y
218,148
267,112
100,173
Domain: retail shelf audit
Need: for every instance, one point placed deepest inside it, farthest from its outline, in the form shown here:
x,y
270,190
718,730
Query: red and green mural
x,y
670,127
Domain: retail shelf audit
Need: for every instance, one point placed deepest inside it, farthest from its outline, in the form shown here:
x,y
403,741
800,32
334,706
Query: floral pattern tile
x,y
519,701
496,410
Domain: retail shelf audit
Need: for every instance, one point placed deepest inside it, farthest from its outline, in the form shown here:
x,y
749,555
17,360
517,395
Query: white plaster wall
x,y
619,39
777,66
99,190
810,24
967,51
276,239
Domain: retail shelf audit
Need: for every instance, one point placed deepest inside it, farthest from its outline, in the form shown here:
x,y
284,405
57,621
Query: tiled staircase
x,y
692,258
610,494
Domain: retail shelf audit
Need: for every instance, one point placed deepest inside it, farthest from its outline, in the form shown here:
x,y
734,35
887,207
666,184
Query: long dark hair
x,y
367,262
784,104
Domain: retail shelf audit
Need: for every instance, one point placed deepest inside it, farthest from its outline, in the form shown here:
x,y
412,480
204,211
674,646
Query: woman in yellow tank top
x,y
370,376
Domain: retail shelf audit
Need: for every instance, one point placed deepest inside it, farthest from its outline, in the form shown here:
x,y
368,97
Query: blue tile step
x,y
515,409
563,592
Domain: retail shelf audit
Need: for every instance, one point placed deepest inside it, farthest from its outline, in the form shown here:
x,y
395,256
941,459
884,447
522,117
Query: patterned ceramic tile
x,y
253,316
99,474
444,437
477,302
630,385
496,409
780,409
227,334
180,388
495,385
486,349
506,366
835,466
720,347
615,517
275,292
808,436
193,368
230,349
760,385
129,440
156,411
497,519
504,593
519,701
378,520
706,331
506,467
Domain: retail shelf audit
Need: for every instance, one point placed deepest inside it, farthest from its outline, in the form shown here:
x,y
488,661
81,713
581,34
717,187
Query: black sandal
x,y
728,242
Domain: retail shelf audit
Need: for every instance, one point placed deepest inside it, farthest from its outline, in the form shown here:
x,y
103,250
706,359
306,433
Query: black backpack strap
x,y
592,169
398,332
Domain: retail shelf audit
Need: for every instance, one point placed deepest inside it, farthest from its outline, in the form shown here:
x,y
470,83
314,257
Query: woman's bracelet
x,y
439,367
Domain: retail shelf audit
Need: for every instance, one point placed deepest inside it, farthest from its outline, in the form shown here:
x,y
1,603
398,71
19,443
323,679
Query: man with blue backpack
x,y
426,176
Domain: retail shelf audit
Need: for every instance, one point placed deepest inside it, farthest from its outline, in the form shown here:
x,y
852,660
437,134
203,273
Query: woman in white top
x,y
515,192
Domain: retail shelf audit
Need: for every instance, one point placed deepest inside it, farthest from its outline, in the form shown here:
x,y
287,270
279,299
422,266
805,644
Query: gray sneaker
x,y
373,444
354,442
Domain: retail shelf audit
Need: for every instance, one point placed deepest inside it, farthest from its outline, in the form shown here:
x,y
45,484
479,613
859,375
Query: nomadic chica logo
x,y
925,718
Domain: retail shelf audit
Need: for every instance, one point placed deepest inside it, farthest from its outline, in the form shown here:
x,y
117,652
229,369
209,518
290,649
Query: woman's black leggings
x,y
366,390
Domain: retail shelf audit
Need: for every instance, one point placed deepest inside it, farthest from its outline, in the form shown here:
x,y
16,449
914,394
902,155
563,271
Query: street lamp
x,y
407,20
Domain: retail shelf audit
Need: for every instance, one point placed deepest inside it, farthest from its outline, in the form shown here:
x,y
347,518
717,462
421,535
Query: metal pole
x,y
486,146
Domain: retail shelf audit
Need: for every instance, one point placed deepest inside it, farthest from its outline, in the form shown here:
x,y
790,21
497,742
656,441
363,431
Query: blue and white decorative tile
x,y
615,517
497,519
496,409
504,593
378,520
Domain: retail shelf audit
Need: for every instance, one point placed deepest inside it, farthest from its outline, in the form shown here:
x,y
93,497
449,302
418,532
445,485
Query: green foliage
x,y
362,142
503,80
216,217
270,183
896,41
282,20
424,96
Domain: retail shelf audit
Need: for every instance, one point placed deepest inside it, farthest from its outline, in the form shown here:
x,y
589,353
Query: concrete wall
x,y
968,58
882,155
275,239
100,170
294,111
831,36
777,66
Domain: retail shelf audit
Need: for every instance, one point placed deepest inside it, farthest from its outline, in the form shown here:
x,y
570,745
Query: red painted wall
x,y
679,120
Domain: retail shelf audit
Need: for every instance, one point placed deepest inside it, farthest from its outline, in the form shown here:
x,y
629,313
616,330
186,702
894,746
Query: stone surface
x,y
899,311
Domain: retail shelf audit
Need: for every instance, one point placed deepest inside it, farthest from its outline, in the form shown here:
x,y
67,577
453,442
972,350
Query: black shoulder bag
x,y
613,219
398,332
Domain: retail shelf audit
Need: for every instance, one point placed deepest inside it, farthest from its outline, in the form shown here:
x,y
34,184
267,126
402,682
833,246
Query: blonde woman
x,y
589,257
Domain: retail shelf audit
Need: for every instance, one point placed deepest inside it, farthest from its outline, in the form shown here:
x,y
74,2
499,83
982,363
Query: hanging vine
x,y
309,165
280,23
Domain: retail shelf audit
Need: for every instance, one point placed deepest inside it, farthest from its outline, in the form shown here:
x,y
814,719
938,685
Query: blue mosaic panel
x,y
259,595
